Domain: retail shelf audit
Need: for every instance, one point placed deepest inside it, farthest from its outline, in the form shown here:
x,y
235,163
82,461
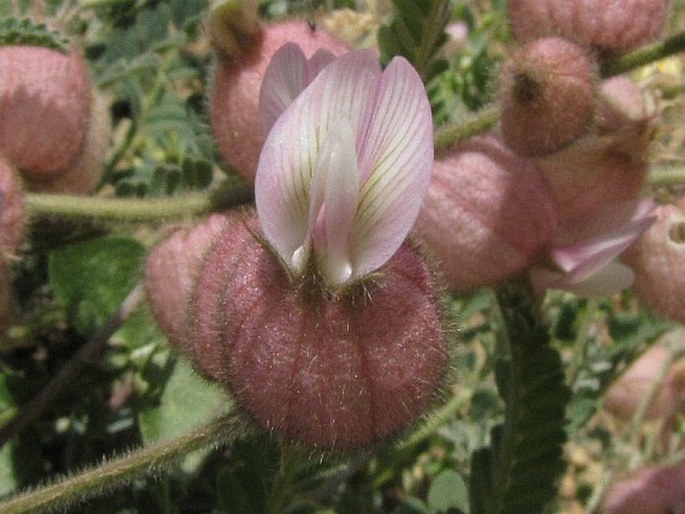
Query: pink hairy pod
x,y
618,26
658,260
591,174
11,212
330,370
234,96
45,108
170,270
652,489
487,214
626,394
85,174
547,95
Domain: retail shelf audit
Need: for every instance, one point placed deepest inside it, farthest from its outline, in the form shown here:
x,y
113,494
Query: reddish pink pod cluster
x,y
234,97
618,26
487,214
332,371
653,489
52,128
658,260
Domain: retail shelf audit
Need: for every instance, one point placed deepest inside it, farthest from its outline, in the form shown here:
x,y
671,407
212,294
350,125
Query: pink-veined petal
x,y
610,219
284,79
584,258
395,162
288,159
337,171
288,74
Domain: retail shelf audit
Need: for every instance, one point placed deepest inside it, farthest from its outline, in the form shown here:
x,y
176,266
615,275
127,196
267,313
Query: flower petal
x,y
609,280
395,162
284,79
288,74
586,257
342,90
337,172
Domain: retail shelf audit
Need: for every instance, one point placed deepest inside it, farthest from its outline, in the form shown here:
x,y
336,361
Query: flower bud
x,y
487,213
170,270
651,489
234,97
626,394
45,97
658,260
330,370
617,26
547,94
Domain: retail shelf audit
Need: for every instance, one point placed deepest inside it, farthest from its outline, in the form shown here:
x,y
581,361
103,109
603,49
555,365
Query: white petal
x,y
395,161
286,165
609,280
337,171
288,74
284,79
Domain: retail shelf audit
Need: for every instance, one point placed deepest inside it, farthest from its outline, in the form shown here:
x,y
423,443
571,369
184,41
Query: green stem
x,y
280,492
129,209
667,176
644,55
106,478
449,135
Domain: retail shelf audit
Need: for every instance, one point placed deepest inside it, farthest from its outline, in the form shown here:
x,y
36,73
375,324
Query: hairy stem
x,y
114,474
129,209
644,55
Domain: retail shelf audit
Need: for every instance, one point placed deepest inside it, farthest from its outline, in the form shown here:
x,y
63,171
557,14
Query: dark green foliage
x,y
14,31
417,32
518,472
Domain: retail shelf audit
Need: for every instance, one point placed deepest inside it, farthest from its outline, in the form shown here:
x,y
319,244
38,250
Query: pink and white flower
x,y
345,167
583,259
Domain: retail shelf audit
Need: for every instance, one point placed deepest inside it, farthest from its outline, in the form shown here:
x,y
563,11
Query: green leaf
x,y
448,491
187,402
519,471
23,31
92,278
417,31
8,482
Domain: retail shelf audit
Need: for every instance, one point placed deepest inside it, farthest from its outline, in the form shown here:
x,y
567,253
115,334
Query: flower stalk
x,y
102,479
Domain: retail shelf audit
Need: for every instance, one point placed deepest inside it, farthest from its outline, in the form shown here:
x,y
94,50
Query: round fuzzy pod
x,y
624,397
85,174
487,214
547,95
653,489
331,371
590,174
619,26
45,102
170,271
234,96
11,212
658,260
